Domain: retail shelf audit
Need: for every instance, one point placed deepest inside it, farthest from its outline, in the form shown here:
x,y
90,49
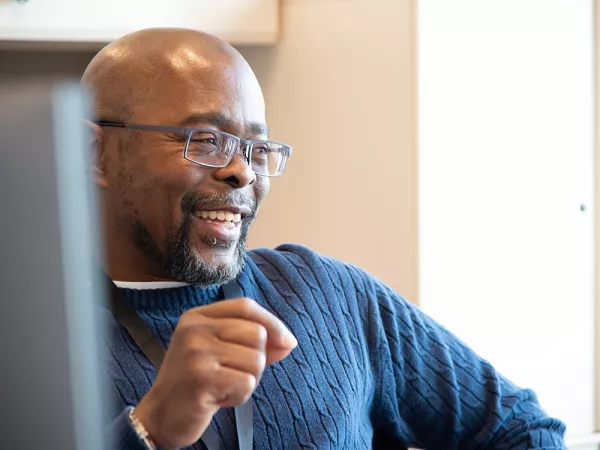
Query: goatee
x,y
180,260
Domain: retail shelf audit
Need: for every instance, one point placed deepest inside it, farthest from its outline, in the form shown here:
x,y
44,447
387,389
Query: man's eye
x,y
260,149
205,137
205,140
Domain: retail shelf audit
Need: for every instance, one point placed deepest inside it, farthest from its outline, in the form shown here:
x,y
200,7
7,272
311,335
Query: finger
x,y
244,308
240,357
243,332
252,335
277,354
230,387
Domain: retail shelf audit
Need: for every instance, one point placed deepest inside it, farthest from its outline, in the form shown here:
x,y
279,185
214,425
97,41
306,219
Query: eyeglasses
x,y
212,148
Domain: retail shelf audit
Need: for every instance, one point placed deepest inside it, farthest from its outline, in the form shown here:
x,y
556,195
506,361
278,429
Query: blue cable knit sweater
x,y
367,360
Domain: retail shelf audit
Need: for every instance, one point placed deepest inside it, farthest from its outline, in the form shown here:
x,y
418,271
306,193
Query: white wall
x,y
340,88
506,161
597,209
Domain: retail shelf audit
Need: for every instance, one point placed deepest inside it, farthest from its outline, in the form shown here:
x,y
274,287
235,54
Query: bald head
x,y
132,73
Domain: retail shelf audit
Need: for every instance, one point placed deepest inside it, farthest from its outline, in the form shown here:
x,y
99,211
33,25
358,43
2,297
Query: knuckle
x,y
202,368
198,353
188,340
260,361
234,391
185,324
241,390
191,330
181,326
186,319
260,335
247,385
243,398
246,304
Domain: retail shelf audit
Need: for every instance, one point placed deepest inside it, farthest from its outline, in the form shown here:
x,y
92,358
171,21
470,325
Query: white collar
x,y
140,285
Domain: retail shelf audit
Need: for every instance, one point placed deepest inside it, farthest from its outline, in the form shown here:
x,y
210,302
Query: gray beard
x,y
181,260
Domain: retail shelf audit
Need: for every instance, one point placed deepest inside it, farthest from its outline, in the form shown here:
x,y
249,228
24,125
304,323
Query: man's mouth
x,y
219,216
219,224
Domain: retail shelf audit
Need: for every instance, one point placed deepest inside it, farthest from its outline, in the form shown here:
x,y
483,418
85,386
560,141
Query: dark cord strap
x,y
243,413
136,327
231,290
155,352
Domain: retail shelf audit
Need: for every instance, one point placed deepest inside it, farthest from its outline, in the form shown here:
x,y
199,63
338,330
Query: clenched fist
x,y
215,359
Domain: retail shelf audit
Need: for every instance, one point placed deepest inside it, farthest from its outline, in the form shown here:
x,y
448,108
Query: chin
x,y
216,259
208,268
219,256
210,249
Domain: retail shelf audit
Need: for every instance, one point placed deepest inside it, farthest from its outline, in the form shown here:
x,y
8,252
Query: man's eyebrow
x,y
221,122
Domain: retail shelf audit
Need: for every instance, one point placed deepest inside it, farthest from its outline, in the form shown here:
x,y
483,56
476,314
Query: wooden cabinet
x,y
88,23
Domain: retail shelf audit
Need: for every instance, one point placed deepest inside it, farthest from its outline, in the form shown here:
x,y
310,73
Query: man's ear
x,y
95,141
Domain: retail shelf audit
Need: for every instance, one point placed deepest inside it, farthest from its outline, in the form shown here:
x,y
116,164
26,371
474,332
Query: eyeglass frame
x,y
188,131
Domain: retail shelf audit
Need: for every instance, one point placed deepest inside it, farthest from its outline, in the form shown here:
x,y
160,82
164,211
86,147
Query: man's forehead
x,y
193,86
218,97
224,122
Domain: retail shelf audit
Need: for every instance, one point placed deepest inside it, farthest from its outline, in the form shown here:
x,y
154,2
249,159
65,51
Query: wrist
x,y
141,431
144,416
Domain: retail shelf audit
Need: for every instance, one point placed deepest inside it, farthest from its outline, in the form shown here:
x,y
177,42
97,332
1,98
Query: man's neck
x,y
124,263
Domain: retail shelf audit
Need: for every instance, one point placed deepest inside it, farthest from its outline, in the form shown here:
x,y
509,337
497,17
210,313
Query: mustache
x,y
193,201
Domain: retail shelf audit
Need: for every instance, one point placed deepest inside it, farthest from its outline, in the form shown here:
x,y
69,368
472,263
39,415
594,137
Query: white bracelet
x,y
140,430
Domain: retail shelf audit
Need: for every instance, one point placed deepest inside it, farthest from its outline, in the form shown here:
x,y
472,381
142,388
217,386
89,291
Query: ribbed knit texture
x,y
367,360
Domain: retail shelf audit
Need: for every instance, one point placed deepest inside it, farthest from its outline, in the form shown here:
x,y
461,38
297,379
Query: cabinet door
x,y
506,176
81,21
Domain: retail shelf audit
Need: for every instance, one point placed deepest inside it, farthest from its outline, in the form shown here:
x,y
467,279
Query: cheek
x,y
153,193
176,179
165,190
161,168
261,189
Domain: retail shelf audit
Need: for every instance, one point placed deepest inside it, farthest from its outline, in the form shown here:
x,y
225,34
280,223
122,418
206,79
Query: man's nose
x,y
238,172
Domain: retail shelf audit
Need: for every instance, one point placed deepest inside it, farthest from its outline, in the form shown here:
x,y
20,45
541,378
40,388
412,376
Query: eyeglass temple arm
x,y
146,127
110,124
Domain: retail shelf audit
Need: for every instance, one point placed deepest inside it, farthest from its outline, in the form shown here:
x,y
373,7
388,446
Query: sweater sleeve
x,y
432,391
120,434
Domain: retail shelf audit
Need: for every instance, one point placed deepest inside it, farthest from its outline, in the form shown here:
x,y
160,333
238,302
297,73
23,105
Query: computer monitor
x,y
50,393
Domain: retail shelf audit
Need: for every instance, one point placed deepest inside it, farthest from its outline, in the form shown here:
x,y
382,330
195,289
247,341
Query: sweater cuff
x,y
121,435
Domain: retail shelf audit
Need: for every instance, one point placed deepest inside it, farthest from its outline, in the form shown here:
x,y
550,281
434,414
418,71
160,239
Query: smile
x,y
219,216
221,225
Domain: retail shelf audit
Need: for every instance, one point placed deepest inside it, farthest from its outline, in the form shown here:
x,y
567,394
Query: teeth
x,y
220,215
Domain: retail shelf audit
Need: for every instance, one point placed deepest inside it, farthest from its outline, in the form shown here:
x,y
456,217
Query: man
x,y
328,356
